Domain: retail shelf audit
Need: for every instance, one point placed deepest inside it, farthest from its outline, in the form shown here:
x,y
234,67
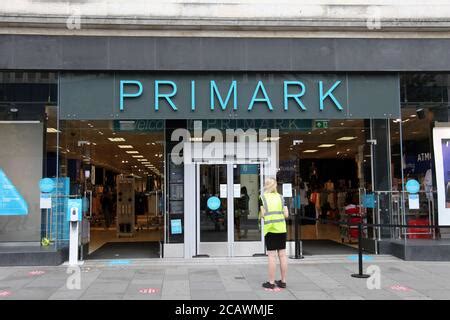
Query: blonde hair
x,y
270,185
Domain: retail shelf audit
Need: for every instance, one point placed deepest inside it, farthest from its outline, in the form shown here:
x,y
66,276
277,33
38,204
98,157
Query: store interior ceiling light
x,y
346,138
139,156
271,139
143,160
116,139
310,151
132,152
52,130
326,145
125,146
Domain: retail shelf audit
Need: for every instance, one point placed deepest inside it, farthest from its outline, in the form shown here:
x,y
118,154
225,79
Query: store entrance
x,y
227,209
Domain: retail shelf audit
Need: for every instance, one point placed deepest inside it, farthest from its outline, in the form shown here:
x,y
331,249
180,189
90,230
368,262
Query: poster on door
x,y
441,146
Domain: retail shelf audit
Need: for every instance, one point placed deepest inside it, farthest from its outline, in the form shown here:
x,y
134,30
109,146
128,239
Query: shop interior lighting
x,y
116,139
346,138
125,146
139,156
326,145
132,152
310,151
52,130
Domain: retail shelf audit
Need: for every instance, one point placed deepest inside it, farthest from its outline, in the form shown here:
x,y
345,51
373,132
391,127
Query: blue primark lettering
x,y
129,95
265,99
329,94
297,96
223,95
166,96
214,92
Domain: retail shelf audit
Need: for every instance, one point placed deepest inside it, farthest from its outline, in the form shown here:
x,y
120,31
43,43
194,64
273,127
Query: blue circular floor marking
x,y
355,257
119,262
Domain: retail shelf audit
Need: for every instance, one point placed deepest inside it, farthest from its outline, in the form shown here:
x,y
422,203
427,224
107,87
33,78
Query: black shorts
x,y
275,241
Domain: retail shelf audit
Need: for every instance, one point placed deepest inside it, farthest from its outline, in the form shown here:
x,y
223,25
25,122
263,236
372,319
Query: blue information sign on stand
x,y
74,205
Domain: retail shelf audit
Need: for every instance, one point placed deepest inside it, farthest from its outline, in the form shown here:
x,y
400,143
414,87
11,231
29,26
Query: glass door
x,y
227,210
212,208
247,186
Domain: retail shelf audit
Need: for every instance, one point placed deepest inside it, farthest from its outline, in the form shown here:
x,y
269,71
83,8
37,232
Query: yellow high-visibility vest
x,y
274,220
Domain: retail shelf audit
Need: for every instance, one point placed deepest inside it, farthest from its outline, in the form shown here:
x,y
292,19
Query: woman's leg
x,y
283,264
272,254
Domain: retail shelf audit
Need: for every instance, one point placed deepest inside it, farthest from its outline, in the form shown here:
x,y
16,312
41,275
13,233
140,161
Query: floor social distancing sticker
x,y
148,290
5,293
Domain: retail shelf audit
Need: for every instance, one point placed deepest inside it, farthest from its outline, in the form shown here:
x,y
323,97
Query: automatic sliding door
x,y
212,223
247,229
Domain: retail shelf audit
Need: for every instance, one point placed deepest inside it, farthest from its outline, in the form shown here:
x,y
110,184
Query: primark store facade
x,y
160,139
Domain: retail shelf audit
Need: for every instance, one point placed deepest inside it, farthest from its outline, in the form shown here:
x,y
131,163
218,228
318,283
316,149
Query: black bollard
x,y
360,255
298,251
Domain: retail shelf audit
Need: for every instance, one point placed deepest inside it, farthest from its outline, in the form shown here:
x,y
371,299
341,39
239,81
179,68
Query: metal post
x,y
298,249
360,256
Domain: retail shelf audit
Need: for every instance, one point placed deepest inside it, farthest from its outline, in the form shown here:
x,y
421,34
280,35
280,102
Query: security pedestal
x,y
74,217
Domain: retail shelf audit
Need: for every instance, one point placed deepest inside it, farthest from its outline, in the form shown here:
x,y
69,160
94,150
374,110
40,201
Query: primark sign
x,y
240,95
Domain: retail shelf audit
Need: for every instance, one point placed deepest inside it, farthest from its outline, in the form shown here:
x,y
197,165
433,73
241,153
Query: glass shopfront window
x,y
329,166
27,118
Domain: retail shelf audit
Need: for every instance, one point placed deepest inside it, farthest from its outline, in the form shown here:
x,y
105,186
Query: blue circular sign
x,y
412,186
213,203
46,185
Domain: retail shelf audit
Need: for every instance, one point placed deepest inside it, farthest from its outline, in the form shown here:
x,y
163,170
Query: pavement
x,y
312,278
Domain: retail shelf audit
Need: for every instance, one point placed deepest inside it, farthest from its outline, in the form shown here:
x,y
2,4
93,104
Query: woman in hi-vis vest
x,y
274,213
